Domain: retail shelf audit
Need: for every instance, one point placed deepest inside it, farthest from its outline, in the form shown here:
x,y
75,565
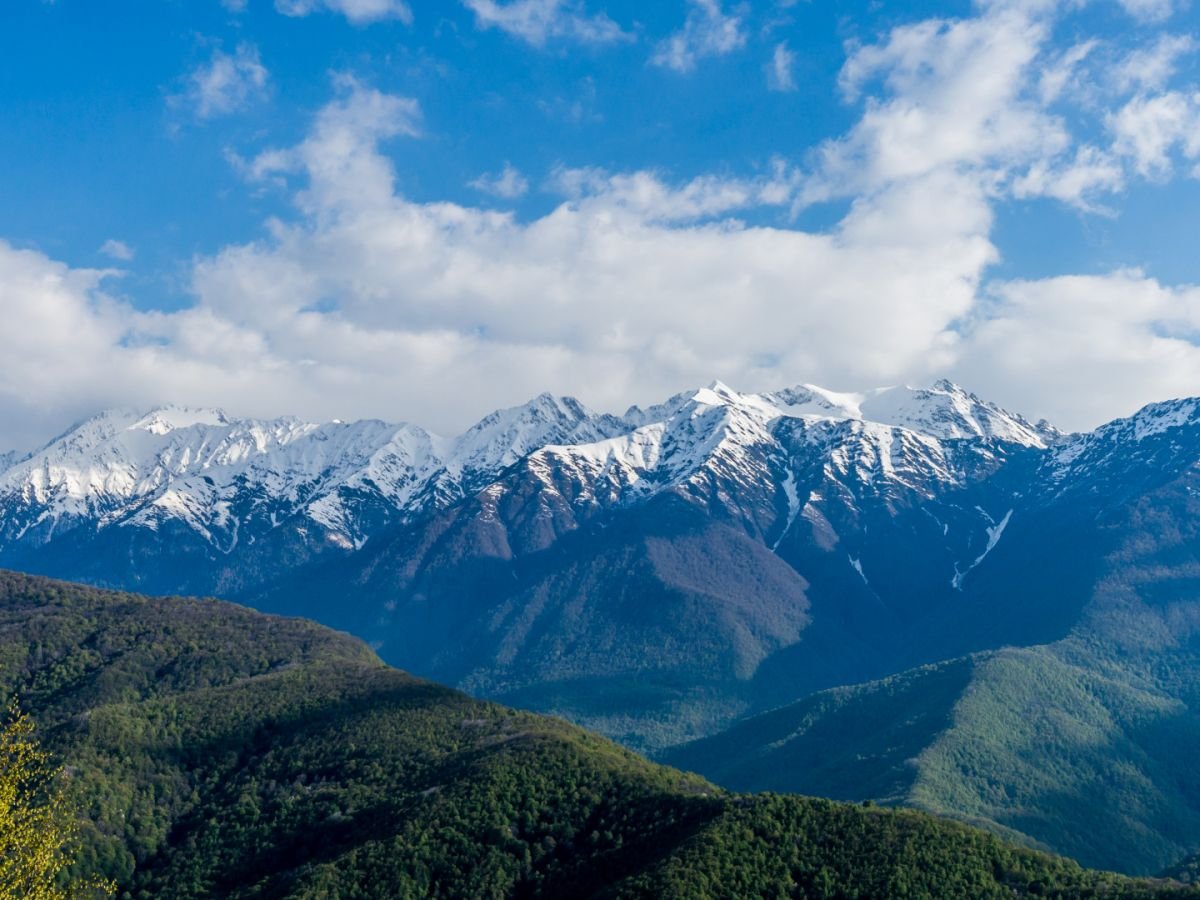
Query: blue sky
x,y
424,210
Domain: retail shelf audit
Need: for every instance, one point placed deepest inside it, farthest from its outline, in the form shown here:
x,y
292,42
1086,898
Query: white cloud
x,y
118,250
372,304
360,12
1077,181
1149,129
649,198
708,31
1083,349
339,155
780,74
1149,10
1150,68
507,184
227,83
1062,71
69,328
539,21
959,94
366,302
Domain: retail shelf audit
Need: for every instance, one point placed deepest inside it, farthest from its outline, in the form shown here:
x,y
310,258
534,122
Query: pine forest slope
x,y
223,753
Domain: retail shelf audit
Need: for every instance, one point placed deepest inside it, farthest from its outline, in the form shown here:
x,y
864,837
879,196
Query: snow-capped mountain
x,y
944,411
234,491
743,545
898,435
660,574
803,457
220,476
1126,455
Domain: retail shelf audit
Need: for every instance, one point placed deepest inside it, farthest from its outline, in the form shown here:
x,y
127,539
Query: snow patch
x,y
857,564
994,533
793,499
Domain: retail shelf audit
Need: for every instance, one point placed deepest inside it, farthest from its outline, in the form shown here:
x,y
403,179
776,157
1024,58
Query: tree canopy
x,y
38,825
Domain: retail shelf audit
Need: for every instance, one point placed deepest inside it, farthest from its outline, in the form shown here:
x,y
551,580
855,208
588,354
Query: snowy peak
x,y
220,475
718,397
810,401
176,463
948,412
223,476
502,438
717,442
166,419
636,417
944,411
1168,432
1148,422
1158,418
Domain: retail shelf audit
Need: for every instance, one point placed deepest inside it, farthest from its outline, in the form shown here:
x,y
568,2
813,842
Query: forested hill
x,y
223,753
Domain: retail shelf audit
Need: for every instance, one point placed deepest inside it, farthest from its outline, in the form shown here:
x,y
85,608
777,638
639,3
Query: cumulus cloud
x,y
1081,180
68,328
339,154
708,31
227,83
650,198
538,22
629,289
1084,349
958,94
1062,71
635,285
360,12
1149,129
508,183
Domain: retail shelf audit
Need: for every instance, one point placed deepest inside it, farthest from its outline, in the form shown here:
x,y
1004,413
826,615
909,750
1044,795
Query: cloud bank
x,y
367,303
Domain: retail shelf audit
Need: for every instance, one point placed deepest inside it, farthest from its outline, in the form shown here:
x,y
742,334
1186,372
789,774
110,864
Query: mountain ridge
x,y
255,510
130,467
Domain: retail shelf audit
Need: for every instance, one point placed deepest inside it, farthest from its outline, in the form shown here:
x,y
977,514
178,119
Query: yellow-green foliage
x,y
37,827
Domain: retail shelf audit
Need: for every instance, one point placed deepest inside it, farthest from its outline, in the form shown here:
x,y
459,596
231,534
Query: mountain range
x,y
905,595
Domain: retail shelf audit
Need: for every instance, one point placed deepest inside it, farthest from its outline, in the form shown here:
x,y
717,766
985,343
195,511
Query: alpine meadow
x,y
849,546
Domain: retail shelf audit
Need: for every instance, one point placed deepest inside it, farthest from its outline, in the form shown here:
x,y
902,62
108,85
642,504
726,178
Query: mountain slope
x,y
729,552
189,499
1084,745
659,576
115,494
224,753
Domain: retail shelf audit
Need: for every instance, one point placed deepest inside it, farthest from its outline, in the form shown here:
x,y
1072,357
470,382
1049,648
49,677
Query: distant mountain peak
x,y
164,419
1128,449
1160,417
217,474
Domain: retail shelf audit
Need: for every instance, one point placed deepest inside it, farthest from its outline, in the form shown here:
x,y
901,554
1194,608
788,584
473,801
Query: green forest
x,y
211,751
